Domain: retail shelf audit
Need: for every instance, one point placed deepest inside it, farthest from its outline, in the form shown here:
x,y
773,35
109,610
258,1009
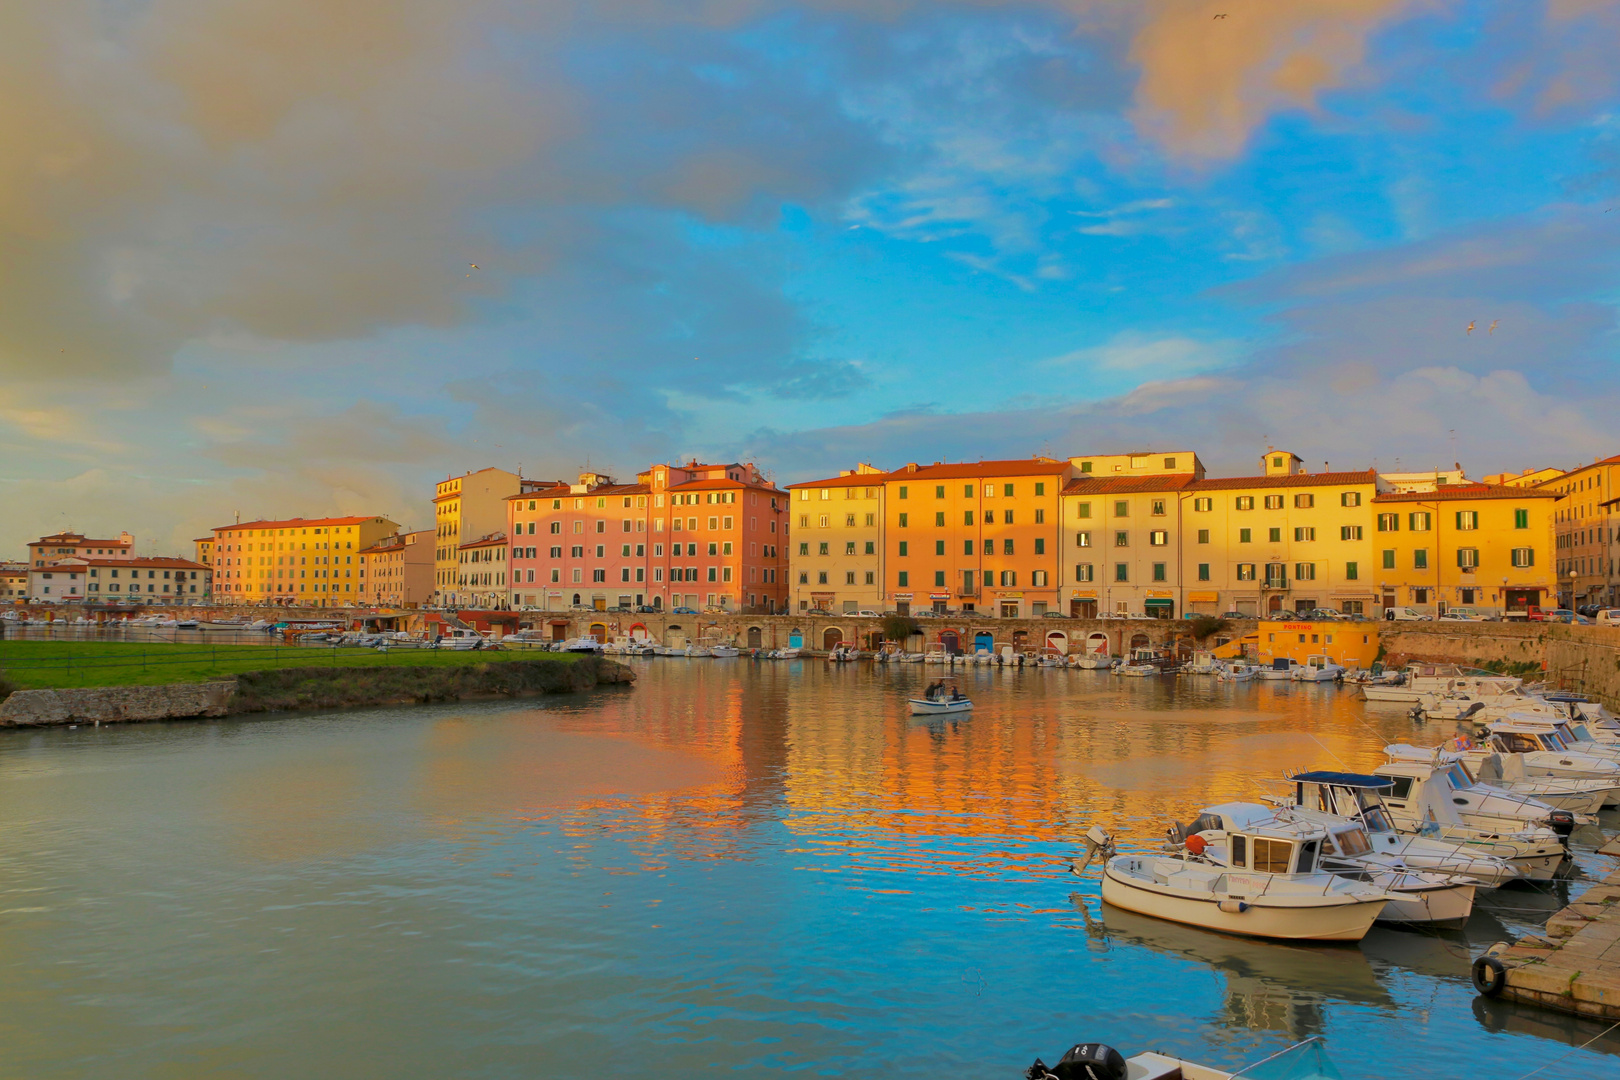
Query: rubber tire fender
x,y
1489,976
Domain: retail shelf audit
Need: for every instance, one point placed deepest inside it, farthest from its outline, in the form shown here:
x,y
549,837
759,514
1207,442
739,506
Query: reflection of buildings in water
x,y
1269,986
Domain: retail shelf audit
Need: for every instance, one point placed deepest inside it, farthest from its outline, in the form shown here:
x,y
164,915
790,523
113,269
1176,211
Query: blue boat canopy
x,y
1343,779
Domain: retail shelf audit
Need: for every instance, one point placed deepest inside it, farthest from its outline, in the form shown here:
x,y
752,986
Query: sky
x,y
278,258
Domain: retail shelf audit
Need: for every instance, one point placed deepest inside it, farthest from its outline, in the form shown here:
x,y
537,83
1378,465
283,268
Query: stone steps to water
x,y
1575,968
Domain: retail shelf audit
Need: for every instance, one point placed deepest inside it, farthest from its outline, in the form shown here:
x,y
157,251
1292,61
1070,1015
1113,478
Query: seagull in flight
x,y
1470,329
473,265
1221,16
1492,330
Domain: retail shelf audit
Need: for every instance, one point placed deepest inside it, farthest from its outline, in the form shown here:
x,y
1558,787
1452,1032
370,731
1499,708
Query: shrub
x,y
1202,626
899,627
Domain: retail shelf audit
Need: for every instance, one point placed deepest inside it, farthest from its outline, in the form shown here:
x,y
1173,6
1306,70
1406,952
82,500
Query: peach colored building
x,y
397,571
67,545
297,560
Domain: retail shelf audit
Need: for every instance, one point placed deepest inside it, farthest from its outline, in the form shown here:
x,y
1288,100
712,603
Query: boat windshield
x,y
1549,741
1579,734
1456,776
1376,819
1352,842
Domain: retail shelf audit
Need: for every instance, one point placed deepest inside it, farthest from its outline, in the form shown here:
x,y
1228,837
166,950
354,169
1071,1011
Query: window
x,y
1245,502
903,491
989,547
1349,532
1276,575
1389,523
1007,517
1085,466
820,521
1158,571
849,547
939,520
1305,571
1082,510
1007,546
1271,856
822,548
1467,520
1009,490
967,491
869,578
903,516
1082,539
1389,558
939,547
1304,502
804,579
1009,579
1122,539
1158,508
967,517
1122,508
1040,489
1122,571
1037,578
939,491
1468,558
939,579
1350,498
1158,538
871,547
1521,519
1274,502
1245,536
821,576
1203,504
1274,535
1240,851
556,526
1420,559
1040,545
1245,571
1418,521
1083,572
967,547
1302,535
804,549
1040,517
1351,571
904,548
849,521
1523,557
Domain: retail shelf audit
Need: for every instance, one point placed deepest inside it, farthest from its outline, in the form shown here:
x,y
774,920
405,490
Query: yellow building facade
x,y
983,537
466,508
1584,525
1466,545
835,551
397,571
296,560
1123,540
1284,541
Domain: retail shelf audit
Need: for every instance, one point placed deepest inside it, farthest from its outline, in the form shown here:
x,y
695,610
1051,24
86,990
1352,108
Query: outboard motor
x,y
1561,822
1083,1061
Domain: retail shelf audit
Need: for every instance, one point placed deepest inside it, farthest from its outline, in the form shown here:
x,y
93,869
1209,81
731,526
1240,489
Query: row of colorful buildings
x,y
1124,534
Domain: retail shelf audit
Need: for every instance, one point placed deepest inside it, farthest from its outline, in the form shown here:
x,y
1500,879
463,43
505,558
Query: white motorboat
x,y
1137,671
1281,667
1319,669
186,624
1237,671
1434,797
1543,751
1422,679
1094,662
224,624
1243,869
459,638
1302,1061
1333,797
936,656
784,654
722,650
1506,771
1203,662
939,699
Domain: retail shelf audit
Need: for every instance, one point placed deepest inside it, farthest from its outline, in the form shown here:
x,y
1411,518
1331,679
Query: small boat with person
x,y
941,698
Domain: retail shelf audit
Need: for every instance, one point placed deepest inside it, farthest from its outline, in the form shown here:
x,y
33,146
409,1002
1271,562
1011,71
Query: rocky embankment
x,y
309,688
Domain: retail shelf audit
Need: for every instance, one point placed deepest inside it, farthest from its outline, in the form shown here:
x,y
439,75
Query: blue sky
x,y
237,276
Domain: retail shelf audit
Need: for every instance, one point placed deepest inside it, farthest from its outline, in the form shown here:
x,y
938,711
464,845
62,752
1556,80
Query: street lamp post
x,y
1572,576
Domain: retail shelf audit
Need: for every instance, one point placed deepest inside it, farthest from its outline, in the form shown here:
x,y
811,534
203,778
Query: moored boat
x,y
939,699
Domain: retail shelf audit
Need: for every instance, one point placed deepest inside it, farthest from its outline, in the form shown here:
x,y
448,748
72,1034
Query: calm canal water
x,y
734,866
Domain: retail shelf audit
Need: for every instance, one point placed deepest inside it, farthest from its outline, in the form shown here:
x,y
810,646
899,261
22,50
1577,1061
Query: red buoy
x,y
1195,844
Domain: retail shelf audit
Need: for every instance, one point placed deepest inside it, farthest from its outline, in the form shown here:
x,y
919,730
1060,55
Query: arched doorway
x,y
832,638
1274,605
638,632
658,603
1057,640
1020,638
984,641
795,638
1097,643
675,637
950,642
755,638
1139,641
576,599
599,631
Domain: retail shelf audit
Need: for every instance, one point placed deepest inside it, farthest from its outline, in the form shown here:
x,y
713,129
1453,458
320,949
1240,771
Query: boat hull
x,y
923,707
1446,904
1346,921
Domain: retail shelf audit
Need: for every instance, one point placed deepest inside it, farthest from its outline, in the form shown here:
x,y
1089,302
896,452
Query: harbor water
x,y
734,868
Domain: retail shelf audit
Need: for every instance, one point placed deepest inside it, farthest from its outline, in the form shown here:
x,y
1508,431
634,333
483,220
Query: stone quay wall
x,y
1581,658
116,704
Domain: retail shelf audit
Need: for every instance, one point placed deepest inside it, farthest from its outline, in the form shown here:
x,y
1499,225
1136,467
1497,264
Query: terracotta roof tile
x,y
959,470
1125,485
1327,479
1447,492
299,523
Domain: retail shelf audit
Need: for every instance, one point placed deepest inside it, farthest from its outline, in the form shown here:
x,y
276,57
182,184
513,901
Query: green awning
x,y
1150,602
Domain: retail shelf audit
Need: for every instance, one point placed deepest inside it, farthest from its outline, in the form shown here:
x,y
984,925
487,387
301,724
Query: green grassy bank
x,y
54,665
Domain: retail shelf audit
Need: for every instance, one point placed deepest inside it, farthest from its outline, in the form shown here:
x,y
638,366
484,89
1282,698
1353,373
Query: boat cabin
x,y
1248,836
1526,737
1357,796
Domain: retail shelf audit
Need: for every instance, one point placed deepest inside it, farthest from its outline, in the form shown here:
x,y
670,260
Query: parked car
x,y
866,613
1562,614
1463,614
683,611
1531,613
1235,615
1406,614
646,609
1589,610
1608,617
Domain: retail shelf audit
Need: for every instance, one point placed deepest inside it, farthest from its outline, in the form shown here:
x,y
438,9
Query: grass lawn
x,y
40,665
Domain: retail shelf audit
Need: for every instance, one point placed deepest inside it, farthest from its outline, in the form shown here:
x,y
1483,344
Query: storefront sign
x,y
1012,595
1203,597
1085,594
939,596
902,596
1161,594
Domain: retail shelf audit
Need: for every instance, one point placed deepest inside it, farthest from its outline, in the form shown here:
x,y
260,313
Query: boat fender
x,y
1195,844
1083,1061
1233,907
1562,822
1489,975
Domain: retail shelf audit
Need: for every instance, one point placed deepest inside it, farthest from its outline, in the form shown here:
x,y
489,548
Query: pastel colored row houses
x,y
307,561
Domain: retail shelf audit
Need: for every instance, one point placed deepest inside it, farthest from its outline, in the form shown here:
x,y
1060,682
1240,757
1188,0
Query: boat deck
x,y
1575,968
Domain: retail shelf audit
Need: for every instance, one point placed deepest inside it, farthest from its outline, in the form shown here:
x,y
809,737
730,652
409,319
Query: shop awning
x,y
1154,601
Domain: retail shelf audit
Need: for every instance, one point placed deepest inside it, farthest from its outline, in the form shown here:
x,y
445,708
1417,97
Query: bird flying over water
x,y
1221,16
1492,329
473,265
1470,329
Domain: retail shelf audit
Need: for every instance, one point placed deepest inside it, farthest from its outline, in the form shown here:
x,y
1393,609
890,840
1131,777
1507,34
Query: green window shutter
x,y
1351,572
1389,559
1521,519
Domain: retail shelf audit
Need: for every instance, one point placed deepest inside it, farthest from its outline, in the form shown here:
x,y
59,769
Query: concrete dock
x,y
1575,967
